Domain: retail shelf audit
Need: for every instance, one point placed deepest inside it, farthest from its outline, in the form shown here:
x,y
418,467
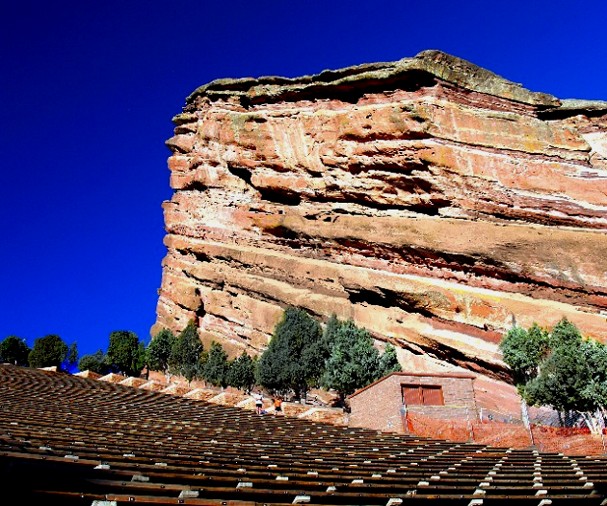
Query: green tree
x,y
354,361
562,377
125,353
159,350
95,362
48,351
14,350
241,374
72,357
564,333
331,328
272,366
523,350
388,362
292,360
563,374
187,354
564,371
216,366
329,335
595,391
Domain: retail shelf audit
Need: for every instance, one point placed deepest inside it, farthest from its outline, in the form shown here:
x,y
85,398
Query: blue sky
x,y
87,95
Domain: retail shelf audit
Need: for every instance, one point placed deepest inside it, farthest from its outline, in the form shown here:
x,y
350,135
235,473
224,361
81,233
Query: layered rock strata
x,y
430,200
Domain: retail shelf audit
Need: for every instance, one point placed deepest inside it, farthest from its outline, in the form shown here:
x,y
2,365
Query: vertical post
x,y
403,417
526,423
470,426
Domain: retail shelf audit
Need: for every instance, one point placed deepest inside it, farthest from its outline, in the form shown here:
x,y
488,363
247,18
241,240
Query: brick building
x,y
385,404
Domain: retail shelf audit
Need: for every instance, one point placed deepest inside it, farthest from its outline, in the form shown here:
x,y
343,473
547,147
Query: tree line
x,y
301,355
125,354
551,367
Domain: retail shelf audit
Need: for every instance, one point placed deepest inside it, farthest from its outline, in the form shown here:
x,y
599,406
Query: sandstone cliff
x,y
430,200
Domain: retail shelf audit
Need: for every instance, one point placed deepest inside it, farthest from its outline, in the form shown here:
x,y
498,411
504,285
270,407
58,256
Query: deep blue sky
x,y
88,90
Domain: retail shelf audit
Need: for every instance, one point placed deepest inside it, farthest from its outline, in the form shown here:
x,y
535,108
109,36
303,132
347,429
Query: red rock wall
x,y
428,199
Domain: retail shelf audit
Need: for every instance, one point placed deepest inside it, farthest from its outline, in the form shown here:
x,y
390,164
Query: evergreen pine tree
x,y
159,350
187,357
354,361
388,362
241,373
216,366
294,358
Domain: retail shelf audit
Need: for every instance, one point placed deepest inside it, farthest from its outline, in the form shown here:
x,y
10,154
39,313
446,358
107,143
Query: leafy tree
x,y
563,376
272,367
564,333
595,391
125,353
331,328
564,371
329,334
48,351
187,357
354,361
216,366
14,350
159,350
241,374
388,362
293,359
523,351
95,362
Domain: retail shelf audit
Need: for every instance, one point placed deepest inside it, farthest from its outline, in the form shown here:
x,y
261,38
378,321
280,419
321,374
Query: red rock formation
x,y
430,200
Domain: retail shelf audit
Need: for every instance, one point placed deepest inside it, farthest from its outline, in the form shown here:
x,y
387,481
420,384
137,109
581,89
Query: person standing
x,y
258,396
277,405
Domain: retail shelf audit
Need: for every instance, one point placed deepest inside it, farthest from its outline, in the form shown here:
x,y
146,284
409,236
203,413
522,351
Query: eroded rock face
x,y
430,200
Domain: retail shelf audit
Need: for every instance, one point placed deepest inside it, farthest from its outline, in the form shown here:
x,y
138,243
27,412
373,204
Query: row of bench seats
x,y
73,440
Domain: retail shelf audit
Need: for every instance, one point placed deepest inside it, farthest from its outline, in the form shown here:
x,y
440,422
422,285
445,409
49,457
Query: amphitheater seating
x,y
78,441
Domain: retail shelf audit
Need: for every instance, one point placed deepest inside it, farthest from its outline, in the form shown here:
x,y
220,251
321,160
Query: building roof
x,y
71,440
463,375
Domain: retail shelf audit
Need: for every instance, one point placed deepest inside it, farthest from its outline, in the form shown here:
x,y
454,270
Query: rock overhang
x,y
432,64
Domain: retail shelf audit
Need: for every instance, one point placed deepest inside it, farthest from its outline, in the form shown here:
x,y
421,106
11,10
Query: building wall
x,y
380,405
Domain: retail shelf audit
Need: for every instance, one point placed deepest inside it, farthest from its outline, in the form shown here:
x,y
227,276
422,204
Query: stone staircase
x,y
225,397
71,441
